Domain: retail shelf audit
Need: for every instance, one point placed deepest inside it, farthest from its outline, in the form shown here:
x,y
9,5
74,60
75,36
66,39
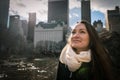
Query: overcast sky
x,y
98,7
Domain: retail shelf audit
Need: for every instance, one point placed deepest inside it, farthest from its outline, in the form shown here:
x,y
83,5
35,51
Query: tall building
x,y
58,10
85,10
15,26
25,27
4,10
114,19
31,26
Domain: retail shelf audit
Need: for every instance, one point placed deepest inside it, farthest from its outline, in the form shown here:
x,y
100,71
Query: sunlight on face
x,y
80,37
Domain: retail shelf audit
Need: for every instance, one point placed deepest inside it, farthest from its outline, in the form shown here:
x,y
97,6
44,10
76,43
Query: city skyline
x,y
98,9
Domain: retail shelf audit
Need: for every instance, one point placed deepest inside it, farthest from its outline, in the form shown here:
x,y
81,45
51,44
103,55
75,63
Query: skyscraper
x,y
31,26
85,10
58,10
15,26
4,9
114,19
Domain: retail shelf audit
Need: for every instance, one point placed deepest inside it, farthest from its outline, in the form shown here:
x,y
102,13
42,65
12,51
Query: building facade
x,y
98,25
85,10
15,26
25,27
51,32
31,26
114,19
4,10
58,10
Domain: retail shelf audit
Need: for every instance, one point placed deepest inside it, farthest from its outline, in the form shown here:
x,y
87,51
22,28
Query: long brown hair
x,y
101,62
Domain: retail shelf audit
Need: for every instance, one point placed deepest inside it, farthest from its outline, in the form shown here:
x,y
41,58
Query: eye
x,y
73,32
82,32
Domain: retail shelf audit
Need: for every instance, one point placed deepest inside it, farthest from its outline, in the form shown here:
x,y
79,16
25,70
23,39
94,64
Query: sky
x,y
98,9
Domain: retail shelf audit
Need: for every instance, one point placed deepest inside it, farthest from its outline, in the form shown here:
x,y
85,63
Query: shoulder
x,y
62,72
63,68
61,65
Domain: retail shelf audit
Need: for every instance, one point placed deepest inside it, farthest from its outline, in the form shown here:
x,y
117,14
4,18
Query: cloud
x,y
101,5
74,4
104,5
75,15
97,6
13,12
38,0
97,15
23,7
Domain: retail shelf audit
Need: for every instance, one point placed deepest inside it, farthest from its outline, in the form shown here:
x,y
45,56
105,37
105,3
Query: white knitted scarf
x,y
73,60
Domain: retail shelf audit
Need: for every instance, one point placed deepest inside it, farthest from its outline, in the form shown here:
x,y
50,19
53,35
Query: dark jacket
x,y
84,73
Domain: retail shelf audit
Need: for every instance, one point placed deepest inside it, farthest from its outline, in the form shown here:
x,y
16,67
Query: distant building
x,y
4,10
114,19
85,10
98,25
31,26
15,26
58,10
49,32
25,27
55,30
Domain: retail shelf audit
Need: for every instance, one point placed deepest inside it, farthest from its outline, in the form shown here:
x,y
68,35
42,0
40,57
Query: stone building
x,y
98,25
114,19
52,32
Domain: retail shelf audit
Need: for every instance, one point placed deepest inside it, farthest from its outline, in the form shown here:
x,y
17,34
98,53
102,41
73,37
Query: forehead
x,y
80,26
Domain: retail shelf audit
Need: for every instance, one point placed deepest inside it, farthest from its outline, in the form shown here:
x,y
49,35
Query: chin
x,y
75,46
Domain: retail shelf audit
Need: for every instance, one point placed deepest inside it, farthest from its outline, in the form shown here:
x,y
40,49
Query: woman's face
x,y
80,37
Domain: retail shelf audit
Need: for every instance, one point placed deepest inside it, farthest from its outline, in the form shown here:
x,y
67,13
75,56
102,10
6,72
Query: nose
x,y
76,35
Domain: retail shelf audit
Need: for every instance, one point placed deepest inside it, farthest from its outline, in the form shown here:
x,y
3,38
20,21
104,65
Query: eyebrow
x,y
79,29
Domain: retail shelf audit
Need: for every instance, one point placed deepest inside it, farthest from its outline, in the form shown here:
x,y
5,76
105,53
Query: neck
x,y
79,50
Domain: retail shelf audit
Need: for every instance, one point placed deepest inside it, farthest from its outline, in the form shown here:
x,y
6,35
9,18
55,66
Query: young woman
x,y
84,57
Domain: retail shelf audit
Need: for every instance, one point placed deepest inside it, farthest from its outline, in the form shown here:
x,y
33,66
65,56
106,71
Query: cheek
x,y
86,40
84,43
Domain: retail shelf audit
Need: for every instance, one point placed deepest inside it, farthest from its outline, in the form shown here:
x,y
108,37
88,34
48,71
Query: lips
x,y
76,40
